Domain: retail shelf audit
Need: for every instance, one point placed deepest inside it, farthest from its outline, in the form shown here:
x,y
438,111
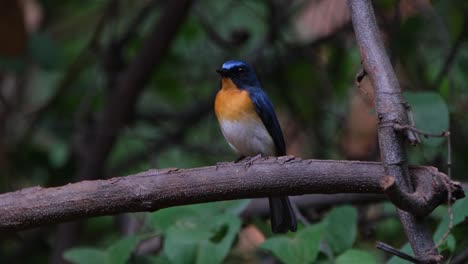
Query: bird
x,y
249,124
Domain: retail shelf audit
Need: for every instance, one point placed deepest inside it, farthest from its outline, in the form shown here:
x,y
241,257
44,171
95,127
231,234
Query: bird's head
x,y
241,73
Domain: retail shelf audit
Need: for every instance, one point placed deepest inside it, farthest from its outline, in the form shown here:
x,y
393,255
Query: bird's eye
x,y
240,69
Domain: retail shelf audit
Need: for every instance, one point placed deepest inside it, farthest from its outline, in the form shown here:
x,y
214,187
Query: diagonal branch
x,y
131,84
390,109
157,189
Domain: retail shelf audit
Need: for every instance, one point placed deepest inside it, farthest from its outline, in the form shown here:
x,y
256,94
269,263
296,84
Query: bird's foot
x,y
241,158
250,160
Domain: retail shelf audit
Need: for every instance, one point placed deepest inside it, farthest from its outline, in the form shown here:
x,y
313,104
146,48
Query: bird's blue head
x,y
240,72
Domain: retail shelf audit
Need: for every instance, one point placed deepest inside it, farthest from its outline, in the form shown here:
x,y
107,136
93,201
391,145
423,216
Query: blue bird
x,y
249,125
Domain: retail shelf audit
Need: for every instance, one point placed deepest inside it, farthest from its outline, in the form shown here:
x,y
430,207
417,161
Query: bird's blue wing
x,y
265,110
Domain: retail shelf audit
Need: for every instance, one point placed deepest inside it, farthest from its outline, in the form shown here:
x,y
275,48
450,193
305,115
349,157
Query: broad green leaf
x,y
356,256
215,249
201,239
165,218
303,247
341,227
85,256
430,113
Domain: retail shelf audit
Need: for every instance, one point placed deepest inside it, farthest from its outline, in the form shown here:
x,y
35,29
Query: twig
x,y
413,137
449,195
391,250
450,213
399,127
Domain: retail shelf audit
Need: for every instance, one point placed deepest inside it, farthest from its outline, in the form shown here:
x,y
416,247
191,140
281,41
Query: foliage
x,y
337,231
119,252
199,233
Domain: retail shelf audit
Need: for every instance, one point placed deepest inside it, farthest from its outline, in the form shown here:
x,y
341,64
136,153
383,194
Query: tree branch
x,y
390,108
157,189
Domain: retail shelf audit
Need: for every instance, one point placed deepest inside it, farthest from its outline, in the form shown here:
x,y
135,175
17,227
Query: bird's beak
x,y
222,72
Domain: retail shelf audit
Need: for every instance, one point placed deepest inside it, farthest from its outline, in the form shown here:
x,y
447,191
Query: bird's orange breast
x,y
232,103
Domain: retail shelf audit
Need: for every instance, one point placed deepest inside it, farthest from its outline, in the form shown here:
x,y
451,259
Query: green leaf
x,y
85,256
215,250
341,228
430,113
120,251
460,211
164,219
303,247
449,244
356,256
201,239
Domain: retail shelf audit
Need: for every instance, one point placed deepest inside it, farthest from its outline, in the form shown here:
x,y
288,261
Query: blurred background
x,y
105,88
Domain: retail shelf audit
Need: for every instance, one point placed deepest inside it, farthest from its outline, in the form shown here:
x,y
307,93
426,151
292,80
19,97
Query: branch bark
x,y
390,108
157,189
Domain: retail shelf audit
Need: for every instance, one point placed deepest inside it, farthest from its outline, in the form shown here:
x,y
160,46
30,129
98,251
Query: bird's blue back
x,y
262,103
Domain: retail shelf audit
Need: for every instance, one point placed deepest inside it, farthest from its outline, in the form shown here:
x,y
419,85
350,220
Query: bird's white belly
x,y
248,138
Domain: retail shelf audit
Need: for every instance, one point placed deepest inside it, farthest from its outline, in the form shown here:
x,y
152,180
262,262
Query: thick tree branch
x,y
390,108
156,189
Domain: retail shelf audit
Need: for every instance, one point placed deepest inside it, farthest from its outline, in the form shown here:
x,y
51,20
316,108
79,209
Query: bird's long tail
x,y
283,218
